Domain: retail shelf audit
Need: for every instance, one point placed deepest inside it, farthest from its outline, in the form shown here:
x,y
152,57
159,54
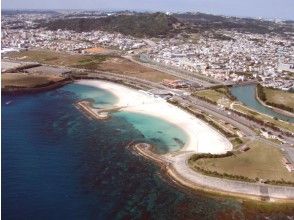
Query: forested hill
x,y
203,22
163,25
139,25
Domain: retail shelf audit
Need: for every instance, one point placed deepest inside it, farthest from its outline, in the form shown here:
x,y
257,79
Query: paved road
x,y
242,123
178,73
220,114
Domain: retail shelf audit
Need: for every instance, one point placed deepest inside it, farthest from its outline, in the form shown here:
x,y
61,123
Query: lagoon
x,y
246,95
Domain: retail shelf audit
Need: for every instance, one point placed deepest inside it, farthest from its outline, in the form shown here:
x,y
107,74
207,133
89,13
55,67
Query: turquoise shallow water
x,y
101,98
246,94
57,164
164,136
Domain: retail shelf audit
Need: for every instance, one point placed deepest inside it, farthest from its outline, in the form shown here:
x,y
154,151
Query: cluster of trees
x,y
205,99
260,92
262,96
196,157
279,182
224,175
238,141
281,106
226,93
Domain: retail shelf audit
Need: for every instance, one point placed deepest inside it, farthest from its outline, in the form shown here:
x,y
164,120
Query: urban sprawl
x,y
267,58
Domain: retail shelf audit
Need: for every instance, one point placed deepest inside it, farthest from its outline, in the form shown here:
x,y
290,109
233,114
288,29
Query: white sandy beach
x,y
202,137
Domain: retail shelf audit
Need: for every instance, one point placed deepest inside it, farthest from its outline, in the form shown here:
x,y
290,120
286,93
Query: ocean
x,y
58,164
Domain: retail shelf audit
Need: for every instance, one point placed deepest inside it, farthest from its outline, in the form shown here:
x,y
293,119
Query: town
x,y
233,58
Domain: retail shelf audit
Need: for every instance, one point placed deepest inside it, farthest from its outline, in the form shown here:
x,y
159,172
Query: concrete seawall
x,y
183,172
177,168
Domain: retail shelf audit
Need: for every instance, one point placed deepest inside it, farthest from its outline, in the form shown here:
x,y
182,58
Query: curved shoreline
x,y
218,186
176,167
202,137
278,110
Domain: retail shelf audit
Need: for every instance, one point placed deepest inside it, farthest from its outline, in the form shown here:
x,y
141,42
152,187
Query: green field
x,y
279,97
260,161
215,95
211,95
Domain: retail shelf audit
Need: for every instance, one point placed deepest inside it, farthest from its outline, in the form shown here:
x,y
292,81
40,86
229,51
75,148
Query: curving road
x,y
181,171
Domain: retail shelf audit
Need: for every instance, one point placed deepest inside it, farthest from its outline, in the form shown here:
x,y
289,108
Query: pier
x,y
93,113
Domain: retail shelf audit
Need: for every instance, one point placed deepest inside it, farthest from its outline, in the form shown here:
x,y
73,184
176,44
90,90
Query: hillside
x,y
139,25
201,22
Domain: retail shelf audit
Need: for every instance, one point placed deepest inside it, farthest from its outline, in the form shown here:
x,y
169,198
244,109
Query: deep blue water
x,y
246,94
57,164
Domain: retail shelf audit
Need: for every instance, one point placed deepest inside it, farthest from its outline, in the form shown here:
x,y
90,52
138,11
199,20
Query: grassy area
x,y
265,118
219,95
91,62
26,81
56,58
254,163
210,94
108,63
279,97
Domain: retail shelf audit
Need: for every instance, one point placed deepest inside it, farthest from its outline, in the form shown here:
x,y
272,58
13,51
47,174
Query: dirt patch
x,y
98,50
110,63
126,67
